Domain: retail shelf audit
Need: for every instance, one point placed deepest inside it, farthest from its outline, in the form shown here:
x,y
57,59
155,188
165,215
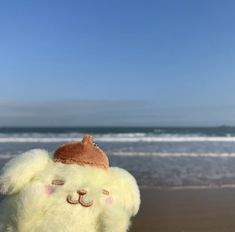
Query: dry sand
x,y
186,210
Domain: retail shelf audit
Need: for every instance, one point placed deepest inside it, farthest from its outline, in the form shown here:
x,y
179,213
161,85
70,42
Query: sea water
x,y
157,157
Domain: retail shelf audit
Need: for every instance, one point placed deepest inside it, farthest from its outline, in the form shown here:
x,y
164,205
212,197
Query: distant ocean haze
x,y
111,112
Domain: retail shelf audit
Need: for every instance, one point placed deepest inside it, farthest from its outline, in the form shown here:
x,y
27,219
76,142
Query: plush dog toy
x,y
74,190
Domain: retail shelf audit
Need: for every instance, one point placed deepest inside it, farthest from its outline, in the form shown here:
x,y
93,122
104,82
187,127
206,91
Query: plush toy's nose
x,y
82,192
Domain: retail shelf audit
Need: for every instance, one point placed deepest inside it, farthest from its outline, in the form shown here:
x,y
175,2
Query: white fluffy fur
x,y
28,208
19,171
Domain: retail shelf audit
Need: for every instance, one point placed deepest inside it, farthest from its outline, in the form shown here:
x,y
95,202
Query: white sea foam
x,y
152,154
167,139
164,154
6,156
114,138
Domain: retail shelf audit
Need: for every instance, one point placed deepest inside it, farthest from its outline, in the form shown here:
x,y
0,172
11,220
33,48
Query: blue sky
x,y
129,62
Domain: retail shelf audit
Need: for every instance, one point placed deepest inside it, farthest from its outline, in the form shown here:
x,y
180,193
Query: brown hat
x,y
82,153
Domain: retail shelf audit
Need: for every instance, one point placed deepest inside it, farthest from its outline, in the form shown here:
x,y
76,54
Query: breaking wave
x,y
114,138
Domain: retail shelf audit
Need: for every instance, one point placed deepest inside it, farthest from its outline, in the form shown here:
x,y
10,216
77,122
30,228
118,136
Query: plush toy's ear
x,y
127,190
20,170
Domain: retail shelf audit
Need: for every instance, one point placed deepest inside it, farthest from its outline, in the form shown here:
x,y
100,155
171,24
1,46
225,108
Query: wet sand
x,y
186,210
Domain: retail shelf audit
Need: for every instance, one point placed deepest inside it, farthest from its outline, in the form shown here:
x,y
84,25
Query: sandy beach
x,y
186,210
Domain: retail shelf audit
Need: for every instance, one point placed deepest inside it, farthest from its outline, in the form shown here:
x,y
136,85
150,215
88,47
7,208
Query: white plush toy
x,y
74,190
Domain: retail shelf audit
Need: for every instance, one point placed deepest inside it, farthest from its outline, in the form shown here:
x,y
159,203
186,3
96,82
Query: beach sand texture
x,y
186,210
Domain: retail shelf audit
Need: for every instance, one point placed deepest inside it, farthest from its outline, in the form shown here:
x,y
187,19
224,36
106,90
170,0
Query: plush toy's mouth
x,y
80,199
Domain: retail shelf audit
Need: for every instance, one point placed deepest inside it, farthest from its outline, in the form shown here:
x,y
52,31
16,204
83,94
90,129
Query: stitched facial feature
x,y
81,193
105,192
58,182
80,200
49,189
109,199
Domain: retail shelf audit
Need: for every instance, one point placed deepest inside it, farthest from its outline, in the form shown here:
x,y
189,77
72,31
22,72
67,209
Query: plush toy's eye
x,y
105,192
57,182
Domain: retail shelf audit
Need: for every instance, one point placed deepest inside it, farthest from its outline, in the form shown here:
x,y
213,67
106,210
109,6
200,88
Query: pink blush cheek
x,y
48,189
109,201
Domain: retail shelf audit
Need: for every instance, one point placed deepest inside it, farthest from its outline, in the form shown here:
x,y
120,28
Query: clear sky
x,y
117,63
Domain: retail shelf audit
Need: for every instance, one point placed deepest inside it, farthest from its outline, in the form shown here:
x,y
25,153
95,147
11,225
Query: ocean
x,y
157,156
